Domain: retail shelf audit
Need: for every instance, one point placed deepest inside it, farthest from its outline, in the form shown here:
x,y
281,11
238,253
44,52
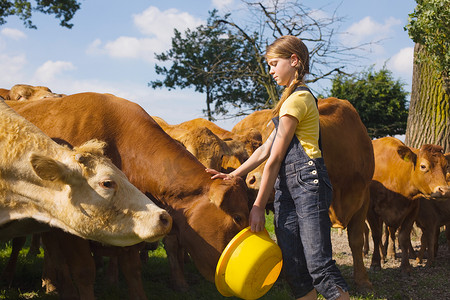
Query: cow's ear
x,y
92,146
217,191
406,154
47,168
447,157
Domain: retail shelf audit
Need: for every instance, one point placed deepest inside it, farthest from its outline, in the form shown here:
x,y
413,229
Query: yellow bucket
x,y
249,265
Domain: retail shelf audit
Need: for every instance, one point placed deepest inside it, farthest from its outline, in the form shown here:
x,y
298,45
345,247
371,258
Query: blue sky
x,y
111,47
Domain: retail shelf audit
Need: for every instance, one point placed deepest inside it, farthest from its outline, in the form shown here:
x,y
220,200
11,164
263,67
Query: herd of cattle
x,y
88,179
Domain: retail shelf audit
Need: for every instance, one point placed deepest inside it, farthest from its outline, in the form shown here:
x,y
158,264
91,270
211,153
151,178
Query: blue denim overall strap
x,y
303,196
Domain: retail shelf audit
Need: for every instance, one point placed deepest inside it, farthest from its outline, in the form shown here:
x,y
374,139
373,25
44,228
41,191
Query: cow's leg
x,y
9,270
390,240
131,266
404,237
112,271
431,242
356,241
78,255
175,255
34,246
366,239
56,276
376,226
423,245
431,239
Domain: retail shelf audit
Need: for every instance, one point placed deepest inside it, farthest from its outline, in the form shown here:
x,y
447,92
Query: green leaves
x,y
429,25
378,98
62,9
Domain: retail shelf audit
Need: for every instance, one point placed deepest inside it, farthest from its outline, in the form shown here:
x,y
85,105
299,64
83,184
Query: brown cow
x,y
432,215
207,147
25,92
348,155
203,142
250,141
206,213
401,176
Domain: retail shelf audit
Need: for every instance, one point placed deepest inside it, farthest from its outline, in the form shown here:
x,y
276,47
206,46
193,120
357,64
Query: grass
x,y
424,283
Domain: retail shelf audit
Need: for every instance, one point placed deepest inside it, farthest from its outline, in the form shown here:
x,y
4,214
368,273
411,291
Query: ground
x,y
423,282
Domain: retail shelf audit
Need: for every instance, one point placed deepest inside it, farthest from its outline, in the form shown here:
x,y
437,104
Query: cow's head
x,y
23,92
96,201
204,145
214,220
429,170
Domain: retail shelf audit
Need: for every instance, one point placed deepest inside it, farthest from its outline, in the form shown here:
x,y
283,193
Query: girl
x,y
303,190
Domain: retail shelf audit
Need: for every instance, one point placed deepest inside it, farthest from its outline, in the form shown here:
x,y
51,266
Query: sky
x,y
112,44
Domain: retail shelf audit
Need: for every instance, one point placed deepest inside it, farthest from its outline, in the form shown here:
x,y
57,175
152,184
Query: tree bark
x,y
429,109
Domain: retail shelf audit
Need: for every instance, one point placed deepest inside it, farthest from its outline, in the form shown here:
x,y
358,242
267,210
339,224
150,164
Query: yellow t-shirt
x,y
302,106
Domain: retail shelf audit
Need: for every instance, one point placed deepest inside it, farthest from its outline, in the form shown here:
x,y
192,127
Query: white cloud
x,y
48,71
12,68
131,47
12,33
158,28
161,24
402,62
368,30
94,48
221,4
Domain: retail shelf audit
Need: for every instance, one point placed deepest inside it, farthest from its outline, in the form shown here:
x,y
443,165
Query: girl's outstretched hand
x,y
217,174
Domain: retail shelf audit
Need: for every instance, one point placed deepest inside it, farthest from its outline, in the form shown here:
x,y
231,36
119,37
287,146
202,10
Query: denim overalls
x,y
303,195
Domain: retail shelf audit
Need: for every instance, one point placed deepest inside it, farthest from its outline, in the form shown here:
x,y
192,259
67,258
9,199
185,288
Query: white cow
x,y
79,190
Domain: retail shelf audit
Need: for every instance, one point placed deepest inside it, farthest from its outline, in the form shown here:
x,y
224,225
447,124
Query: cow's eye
x,y
237,219
423,167
108,184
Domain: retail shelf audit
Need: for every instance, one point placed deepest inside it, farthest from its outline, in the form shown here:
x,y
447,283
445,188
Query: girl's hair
x,y
284,47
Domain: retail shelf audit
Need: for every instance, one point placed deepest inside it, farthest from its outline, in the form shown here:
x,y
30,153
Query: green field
x,y
424,283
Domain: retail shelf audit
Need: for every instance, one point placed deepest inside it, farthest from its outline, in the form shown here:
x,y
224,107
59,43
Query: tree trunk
x,y
429,109
208,105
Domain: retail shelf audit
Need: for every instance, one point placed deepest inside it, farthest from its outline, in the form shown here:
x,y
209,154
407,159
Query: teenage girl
x,y
296,168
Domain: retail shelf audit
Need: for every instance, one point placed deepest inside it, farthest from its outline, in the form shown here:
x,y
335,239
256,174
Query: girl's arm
x,y
285,133
257,157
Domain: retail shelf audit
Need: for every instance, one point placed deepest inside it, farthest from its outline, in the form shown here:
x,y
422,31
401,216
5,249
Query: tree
x,y
62,9
210,58
379,99
266,22
429,112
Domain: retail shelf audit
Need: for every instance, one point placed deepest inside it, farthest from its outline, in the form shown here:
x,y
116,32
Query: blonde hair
x,y
285,47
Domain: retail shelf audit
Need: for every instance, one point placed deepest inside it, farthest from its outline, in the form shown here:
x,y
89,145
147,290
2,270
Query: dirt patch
x,y
389,283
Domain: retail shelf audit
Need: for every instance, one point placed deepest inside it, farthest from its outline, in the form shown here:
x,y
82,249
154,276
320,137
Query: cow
x,y
432,215
250,141
348,155
207,147
25,92
78,190
402,175
206,213
203,142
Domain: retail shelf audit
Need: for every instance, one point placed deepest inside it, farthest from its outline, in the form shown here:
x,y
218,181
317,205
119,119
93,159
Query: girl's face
x,y
283,69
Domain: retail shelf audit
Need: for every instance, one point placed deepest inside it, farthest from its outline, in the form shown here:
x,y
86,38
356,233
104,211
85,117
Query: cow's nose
x,y
165,220
442,191
251,180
